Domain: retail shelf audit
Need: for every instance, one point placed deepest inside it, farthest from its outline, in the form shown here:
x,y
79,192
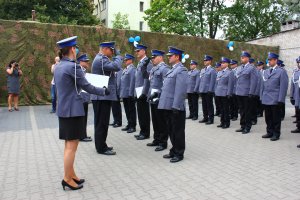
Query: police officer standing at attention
x,y
116,107
102,105
83,61
234,106
245,91
282,65
142,80
224,90
193,96
273,96
294,94
70,79
206,90
172,102
260,69
217,99
127,93
157,76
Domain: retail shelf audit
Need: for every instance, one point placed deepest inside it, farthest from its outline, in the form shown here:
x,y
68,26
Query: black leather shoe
x,y
203,121
131,130
65,184
79,182
234,119
176,159
110,148
117,125
245,131
209,123
142,137
195,118
296,131
298,146
189,117
138,135
266,136
274,138
294,122
87,139
168,156
239,130
125,129
217,114
160,148
152,144
220,125
294,116
108,152
225,126
260,115
254,123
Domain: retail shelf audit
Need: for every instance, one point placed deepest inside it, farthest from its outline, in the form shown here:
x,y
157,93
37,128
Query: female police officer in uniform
x,y
69,79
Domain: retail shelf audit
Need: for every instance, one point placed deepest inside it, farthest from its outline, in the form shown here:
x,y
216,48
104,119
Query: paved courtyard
x,y
218,164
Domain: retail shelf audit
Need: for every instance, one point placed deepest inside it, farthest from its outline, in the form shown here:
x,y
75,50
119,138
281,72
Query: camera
x,y
17,65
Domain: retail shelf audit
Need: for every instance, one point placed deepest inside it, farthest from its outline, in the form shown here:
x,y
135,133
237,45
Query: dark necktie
x,y
271,70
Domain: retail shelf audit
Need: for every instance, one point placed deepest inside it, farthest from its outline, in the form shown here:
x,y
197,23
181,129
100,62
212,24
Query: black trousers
x,y
297,117
225,115
193,104
101,121
273,119
255,102
86,110
245,106
143,110
218,105
234,107
207,106
260,108
116,111
176,128
130,111
282,111
160,135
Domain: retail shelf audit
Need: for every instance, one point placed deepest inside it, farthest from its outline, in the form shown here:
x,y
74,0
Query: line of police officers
x,y
243,89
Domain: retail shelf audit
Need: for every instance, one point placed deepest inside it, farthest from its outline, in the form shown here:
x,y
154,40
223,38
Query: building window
x,y
141,26
141,6
103,5
97,9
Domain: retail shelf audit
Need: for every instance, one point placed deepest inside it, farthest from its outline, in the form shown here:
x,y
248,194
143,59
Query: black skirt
x,y
71,128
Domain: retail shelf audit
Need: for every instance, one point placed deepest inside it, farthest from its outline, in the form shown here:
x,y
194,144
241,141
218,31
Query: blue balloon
x,y
267,61
230,44
137,38
131,40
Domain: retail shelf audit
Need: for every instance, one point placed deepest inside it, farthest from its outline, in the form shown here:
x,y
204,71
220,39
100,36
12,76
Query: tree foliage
x,y
121,21
185,17
248,19
55,11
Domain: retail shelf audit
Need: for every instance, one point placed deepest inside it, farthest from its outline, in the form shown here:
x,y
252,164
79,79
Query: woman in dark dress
x,y
69,80
14,72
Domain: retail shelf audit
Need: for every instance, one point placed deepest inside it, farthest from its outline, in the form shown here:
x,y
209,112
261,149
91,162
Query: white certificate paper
x,y
97,80
138,91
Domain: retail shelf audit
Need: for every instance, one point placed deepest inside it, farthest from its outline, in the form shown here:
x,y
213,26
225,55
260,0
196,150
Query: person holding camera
x,y
14,72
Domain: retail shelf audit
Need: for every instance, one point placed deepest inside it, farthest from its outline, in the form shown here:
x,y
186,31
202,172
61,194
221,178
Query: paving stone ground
x,y
218,164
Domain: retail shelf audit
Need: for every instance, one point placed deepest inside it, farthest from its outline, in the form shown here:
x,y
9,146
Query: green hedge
x,y
33,45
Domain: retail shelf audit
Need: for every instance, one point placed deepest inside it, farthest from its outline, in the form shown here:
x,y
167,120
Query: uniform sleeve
x,y
253,81
132,82
292,88
83,83
180,89
112,65
196,88
230,83
213,77
284,82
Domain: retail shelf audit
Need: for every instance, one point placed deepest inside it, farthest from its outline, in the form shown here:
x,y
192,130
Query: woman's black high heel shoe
x,y
81,181
65,184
